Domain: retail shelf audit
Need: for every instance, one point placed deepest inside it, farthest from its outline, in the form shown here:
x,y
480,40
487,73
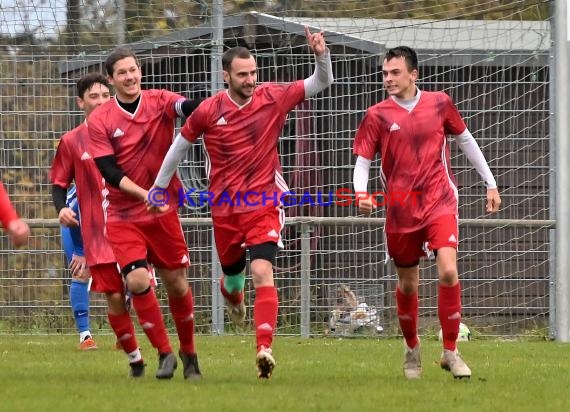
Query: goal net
x,y
491,57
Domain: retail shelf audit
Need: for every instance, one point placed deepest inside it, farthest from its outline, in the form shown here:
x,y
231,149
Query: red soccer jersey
x,y
139,143
241,145
73,162
415,158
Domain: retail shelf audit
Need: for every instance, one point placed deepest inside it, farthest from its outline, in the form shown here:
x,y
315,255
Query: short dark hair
x,y
120,53
86,82
229,56
409,55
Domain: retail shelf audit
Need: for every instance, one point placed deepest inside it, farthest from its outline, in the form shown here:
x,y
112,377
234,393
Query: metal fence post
x,y
562,58
552,183
306,230
217,84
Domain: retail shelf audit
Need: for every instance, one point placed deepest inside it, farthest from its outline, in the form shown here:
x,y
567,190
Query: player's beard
x,y
246,91
243,92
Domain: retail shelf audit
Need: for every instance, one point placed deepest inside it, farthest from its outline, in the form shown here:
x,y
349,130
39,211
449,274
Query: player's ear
x,y
414,74
80,103
226,76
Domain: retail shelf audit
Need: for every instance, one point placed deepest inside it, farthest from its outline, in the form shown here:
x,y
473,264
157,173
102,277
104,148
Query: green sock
x,y
234,282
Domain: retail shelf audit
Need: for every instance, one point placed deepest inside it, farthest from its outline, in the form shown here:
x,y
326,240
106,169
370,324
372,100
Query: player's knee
x,y
262,261
174,281
408,277
136,275
115,302
448,276
262,273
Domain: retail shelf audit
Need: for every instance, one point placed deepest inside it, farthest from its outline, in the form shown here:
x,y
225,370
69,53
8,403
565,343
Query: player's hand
x,y
19,231
366,205
316,41
78,267
155,200
493,200
67,217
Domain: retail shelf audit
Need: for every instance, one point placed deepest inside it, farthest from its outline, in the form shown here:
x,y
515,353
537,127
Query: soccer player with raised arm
x,y
241,128
17,229
73,162
129,137
408,130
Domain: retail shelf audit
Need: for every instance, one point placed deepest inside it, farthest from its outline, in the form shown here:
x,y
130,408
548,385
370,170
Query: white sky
x,y
42,17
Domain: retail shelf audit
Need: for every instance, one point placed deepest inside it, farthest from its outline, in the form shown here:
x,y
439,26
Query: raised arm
x,y
323,75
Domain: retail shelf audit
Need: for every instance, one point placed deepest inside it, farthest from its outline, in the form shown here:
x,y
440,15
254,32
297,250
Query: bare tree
x,y
73,23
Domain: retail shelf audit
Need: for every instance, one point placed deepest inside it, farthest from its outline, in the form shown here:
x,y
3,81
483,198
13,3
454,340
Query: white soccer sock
x,y
134,356
83,335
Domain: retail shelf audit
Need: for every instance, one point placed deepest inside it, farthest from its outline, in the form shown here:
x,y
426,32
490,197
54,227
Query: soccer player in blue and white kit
x,y
79,289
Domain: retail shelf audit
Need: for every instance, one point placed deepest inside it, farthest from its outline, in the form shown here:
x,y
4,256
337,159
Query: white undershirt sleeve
x,y
361,173
469,146
175,154
322,77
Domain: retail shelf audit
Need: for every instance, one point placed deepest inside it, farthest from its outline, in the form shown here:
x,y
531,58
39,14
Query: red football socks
x,y
407,306
265,309
182,310
124,330
449,312
150,318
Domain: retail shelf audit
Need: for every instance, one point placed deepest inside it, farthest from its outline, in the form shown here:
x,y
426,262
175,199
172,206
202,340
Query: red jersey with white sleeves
x,y
139,141
73,161
241,145
415,159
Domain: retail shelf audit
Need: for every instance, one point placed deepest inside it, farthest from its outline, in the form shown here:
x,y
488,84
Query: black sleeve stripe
x,y
109,170
59,197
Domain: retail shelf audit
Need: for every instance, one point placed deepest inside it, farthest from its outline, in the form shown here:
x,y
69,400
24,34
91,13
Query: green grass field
x,y
48,373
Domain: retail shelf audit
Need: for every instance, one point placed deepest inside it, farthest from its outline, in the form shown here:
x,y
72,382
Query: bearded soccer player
x,y
241,128
73,162
129,137
408,130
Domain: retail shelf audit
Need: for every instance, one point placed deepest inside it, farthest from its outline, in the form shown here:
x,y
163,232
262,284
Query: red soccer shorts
x,y
407,248
106,278
160,241
235,233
